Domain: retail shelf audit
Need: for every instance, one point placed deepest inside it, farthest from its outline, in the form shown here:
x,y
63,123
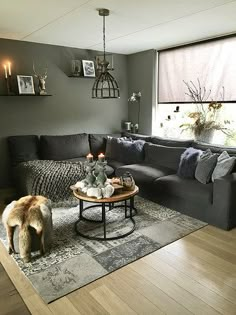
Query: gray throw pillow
x,y
188,163
224,165
205,166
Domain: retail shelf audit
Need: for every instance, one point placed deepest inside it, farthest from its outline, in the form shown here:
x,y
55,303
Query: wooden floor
x,y
194,275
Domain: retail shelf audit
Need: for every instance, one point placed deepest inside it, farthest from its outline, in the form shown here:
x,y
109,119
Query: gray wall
x,y
141,77
71,108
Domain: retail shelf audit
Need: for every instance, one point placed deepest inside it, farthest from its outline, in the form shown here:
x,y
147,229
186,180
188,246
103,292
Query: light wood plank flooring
x,y
194,275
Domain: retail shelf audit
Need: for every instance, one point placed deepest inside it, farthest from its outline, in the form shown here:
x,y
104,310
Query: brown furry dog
x,y
29,211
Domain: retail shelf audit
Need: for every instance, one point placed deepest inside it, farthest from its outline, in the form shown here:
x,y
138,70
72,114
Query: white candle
x,y
101,157
89,158
9,68
5,68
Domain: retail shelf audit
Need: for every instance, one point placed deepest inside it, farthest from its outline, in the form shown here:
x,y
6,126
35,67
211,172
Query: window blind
x,y
212,62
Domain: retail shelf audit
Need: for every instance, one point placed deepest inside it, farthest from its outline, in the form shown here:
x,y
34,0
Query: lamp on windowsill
x,y
136,97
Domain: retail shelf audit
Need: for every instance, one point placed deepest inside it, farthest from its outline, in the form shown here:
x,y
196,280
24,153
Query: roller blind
x,y
213,63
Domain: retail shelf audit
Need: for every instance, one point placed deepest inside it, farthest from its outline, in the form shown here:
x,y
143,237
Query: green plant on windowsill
x,y
206,119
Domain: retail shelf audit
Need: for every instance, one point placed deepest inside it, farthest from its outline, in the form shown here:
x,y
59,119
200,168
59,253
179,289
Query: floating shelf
x,y
26,95
80,77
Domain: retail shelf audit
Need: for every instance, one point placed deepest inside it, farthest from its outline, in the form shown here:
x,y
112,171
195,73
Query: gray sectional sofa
x,y
155,174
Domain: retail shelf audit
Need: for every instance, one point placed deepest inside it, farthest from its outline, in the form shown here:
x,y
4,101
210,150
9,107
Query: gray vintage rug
x,y
75,261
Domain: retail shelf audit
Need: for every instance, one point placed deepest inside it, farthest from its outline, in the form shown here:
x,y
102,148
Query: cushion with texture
x,y
23,148
164,156
98,142
205,166
224,166
64,147
188,163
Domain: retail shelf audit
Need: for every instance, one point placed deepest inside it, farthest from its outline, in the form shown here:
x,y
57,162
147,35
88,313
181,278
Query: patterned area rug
x,y
74,261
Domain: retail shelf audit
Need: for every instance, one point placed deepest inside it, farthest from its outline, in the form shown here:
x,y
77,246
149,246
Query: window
x,y
213,63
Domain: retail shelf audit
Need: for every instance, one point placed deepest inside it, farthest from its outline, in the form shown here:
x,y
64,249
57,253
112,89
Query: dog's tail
x,y
25,243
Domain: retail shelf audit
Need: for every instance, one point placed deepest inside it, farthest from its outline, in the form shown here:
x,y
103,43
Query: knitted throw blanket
x,y
51,179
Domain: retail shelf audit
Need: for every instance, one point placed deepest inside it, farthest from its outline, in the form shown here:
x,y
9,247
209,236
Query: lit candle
x,y
9,68
101,157
89,158
5,68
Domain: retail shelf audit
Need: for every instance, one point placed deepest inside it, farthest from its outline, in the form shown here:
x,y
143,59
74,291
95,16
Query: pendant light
x,y
105,85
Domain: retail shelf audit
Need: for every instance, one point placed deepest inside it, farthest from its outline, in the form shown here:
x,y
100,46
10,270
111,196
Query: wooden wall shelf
x,y
26,95
80,77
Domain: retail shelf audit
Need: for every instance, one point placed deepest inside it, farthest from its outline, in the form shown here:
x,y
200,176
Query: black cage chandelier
x,y
105,85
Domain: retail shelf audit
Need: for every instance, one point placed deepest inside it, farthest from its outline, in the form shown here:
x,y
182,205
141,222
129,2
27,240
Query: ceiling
x,y
133,25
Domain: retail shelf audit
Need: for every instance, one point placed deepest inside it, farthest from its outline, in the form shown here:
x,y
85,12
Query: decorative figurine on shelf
x,y
42,81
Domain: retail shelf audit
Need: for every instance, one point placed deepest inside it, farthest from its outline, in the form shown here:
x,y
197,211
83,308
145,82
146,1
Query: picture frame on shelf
x,y
88,68
25,84
76,67
109,58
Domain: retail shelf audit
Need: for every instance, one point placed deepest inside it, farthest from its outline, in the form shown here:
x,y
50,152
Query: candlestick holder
x,y
9,86
100,173
89,169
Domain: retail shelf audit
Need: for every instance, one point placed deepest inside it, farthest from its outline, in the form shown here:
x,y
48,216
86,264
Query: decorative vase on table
x,y
205,136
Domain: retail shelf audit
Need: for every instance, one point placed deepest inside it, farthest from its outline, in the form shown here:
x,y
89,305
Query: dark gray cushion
x,y
136,136
144,173
64,147
23,148
205,166
125,150
171,142
114,164
189,189
98,142
224,166
162,156
214,148
188,163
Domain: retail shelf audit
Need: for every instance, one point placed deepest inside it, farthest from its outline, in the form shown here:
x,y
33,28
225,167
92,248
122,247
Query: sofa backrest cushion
x,y
64,147
98,142
125,150
23,148
171,142
136,136
214,148
164,156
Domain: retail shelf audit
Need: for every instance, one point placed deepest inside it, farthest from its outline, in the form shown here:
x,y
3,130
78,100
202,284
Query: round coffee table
x,y
107,204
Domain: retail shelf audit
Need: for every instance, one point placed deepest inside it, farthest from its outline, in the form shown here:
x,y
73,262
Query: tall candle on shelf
x,y
89,158
101,157
5,69
9,68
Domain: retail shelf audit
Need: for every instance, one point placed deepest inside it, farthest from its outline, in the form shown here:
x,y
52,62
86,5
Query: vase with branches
x,y
206,119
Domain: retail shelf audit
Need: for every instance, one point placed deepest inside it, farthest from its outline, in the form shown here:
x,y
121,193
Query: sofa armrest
x,y
224,201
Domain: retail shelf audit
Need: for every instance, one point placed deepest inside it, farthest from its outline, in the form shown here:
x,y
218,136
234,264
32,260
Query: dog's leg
x,y
10,234
40,234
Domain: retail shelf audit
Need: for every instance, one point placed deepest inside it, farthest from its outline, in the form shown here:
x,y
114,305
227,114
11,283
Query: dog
x,y
28,211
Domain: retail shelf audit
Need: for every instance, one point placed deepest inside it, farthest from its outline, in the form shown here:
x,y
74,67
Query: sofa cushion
x,y
188,163
188,189
224,166
143,173
168,157
171,142
214,148
64,147
125,150
136,136
114,164
205,166
98,142
23,148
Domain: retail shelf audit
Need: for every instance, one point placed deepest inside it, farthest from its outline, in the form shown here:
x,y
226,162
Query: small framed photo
x,y
88,67
25,84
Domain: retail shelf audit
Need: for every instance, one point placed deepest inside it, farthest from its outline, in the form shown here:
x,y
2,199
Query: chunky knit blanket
x,y
51,179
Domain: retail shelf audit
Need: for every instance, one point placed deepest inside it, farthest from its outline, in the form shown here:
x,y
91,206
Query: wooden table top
x,y
118,196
